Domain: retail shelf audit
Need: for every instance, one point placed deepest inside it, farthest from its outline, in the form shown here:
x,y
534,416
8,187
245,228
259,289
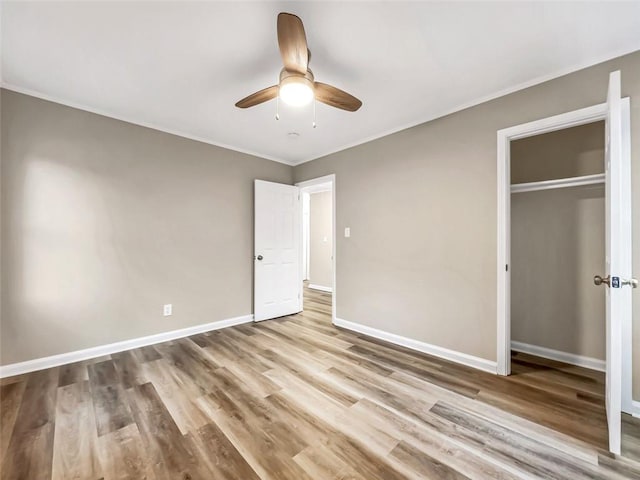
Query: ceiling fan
x,y
297,86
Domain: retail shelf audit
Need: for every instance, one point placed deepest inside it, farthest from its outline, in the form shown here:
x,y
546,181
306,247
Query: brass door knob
x,y
598,280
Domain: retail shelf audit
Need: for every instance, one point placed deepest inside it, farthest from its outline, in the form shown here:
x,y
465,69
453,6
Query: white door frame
x,y
316,181
505,136
305,199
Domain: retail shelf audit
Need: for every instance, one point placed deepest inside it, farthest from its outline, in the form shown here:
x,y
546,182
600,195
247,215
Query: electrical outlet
x,y
167,310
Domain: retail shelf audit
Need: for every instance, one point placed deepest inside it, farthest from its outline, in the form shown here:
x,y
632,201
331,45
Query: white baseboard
x,y
452,355
93,352
320,287
571,358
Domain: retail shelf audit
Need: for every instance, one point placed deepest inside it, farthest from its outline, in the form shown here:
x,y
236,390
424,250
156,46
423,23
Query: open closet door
x,y
618,253
277,254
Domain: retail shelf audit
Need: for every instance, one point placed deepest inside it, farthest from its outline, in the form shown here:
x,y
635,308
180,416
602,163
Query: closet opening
x,y
557,246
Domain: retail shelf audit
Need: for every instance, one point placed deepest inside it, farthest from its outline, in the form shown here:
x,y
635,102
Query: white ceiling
x,y
181,66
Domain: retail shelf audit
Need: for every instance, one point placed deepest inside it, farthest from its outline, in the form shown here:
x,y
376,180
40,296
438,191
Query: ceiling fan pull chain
x,y
278,105
314,113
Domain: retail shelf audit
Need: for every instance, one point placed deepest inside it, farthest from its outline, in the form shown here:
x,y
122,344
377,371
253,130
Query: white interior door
x,y
618,253
277,254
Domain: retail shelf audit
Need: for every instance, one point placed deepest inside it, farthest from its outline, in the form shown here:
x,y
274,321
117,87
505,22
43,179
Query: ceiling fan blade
x,y
336,98
293,43
257,98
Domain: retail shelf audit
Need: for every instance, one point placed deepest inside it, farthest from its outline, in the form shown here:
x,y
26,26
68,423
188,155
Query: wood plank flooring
x,y
296,398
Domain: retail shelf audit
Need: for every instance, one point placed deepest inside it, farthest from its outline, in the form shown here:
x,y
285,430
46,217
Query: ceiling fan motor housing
x,y
287,76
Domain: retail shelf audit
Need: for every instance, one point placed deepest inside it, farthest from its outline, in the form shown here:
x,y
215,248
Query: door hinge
x,y
506,267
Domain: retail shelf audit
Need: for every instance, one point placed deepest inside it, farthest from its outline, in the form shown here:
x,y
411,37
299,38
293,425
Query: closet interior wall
x,y
557,242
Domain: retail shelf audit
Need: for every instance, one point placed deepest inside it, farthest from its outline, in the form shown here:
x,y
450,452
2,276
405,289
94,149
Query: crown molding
x,y
478,101
104,113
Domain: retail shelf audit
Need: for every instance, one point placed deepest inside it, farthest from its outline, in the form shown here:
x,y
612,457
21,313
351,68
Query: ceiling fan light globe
x,y
296,92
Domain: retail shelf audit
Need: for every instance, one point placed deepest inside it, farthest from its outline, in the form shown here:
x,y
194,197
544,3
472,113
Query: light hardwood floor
x,y
296,398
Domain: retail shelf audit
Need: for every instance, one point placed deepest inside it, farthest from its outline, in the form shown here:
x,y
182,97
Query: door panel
x,y
278,282
618,255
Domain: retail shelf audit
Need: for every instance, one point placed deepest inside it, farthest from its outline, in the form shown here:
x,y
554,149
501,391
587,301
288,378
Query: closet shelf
x,y
558,183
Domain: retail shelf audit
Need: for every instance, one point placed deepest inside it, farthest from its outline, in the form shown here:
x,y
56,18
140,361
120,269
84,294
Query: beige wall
x,y
557,246
565,153
103,222
320,240
421,204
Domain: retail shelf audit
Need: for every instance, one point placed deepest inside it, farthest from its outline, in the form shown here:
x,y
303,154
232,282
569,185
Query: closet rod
x,y
558,183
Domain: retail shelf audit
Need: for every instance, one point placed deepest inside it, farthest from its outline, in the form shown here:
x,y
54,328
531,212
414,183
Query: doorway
x,y
557,245
618,242
318,244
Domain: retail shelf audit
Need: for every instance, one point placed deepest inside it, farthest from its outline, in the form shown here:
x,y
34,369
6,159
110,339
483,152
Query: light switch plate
x,y
347,232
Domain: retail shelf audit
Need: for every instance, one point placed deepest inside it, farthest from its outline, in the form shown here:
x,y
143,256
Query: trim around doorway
x,y
316,181
504,137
